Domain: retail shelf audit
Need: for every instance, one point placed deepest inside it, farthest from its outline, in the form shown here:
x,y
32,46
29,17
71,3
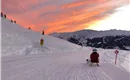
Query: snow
x,y
24,59
127,47
70,66
17,41
99,42
92,33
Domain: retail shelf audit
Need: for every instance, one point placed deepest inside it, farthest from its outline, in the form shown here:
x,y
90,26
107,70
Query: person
x,y
42,32
2,14
41,42
94,57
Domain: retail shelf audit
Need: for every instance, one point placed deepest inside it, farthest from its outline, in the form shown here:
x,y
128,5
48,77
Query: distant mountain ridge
x,y
109,39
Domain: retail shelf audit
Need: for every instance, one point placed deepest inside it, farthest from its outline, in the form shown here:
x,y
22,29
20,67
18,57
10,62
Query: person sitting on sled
x,y
94,57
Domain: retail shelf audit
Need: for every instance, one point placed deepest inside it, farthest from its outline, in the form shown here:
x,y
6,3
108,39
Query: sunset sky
x,y
67,15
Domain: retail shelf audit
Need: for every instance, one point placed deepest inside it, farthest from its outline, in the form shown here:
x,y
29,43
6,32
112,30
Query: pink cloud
x,y
59,15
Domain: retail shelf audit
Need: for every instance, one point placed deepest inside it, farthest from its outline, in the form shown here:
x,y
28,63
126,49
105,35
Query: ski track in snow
x,y
60,67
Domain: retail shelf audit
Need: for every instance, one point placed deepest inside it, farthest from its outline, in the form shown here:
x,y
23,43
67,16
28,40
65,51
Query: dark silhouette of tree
x,y
1,14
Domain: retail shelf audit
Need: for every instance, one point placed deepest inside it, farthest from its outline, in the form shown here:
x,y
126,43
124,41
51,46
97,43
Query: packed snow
x,y
24,59
17,40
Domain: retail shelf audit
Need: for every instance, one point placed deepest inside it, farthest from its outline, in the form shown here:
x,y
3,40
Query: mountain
x,y
110,39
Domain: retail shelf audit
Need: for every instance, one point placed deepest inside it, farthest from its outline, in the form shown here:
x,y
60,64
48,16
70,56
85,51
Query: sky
x,y
65,15
118,20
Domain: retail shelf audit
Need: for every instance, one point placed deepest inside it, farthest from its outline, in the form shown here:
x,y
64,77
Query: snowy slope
x,y
18,40
71,66
66,61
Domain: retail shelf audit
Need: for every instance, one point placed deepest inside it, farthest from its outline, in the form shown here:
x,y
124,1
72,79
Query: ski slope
x,y
24,59
70,66
17,40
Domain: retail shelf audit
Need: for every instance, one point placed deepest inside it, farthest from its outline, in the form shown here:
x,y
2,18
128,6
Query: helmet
x,y
41,39
94,50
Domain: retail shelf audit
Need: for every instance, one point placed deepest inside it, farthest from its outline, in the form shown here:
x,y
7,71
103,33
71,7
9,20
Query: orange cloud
x,y
59,15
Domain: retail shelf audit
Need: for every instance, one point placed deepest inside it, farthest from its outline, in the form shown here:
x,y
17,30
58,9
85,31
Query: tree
x,y
1,14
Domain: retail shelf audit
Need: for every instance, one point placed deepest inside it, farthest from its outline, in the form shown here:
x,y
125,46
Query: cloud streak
x,y
59,15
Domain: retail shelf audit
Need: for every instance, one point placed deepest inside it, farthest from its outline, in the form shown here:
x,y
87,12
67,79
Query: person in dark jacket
x,y
2,14
94,57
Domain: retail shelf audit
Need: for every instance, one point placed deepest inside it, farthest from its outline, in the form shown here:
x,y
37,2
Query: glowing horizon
x,y
61,16
119,20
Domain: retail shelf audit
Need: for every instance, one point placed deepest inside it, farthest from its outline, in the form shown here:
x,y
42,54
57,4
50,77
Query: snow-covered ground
x,y
17,40
68,66
24,59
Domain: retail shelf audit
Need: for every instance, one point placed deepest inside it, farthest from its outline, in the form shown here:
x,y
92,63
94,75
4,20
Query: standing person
x,y
43,33
2,14
94,57
41,42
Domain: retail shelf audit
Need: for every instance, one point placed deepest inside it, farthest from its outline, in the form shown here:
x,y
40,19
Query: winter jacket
x,y
94,57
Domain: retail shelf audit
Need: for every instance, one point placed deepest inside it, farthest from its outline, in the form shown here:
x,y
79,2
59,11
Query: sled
x,y
91,63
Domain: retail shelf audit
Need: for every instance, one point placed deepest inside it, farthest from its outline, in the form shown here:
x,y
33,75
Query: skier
x,y
94,57
41,42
